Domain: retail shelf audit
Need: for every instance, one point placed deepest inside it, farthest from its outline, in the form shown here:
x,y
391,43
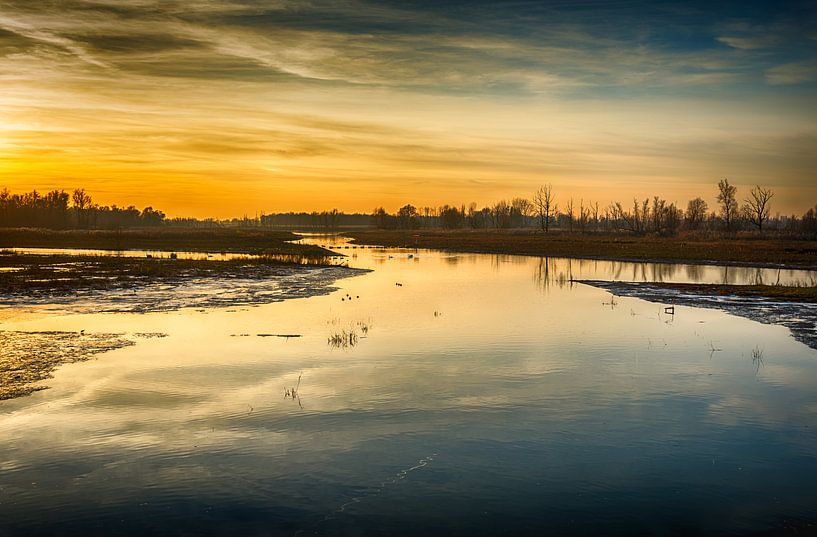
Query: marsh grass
x,y
757,358
363,326
292,392
797,292
24,272
614,246
343,339
219,240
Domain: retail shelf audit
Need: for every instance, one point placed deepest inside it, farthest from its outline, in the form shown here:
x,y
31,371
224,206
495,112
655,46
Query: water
x,y
484,395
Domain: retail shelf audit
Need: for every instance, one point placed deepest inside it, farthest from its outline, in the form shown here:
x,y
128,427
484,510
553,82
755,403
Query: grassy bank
x,y
781,293
769,252
776,292
249,241
792,307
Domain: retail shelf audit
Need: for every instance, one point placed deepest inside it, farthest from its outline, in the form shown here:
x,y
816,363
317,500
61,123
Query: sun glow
x,y
225,110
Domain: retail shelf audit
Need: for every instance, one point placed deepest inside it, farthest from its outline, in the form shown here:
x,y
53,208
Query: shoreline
x,y
752,253
792,307
201,240
109,283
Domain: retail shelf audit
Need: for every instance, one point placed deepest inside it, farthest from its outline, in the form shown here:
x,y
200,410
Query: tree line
x,y
60,210
650,215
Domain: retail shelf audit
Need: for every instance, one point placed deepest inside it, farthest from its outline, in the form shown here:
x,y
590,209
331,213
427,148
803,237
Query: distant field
x,y
249,241
789,253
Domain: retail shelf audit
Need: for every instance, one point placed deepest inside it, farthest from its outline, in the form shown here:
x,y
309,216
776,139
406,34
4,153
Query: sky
x,y
229,108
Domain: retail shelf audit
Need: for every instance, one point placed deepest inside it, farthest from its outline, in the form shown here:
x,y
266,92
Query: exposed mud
x,y
95,286
102,285
28,358
799,317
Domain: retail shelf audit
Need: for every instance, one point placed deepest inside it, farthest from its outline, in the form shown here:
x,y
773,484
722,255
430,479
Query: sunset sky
x,y
217,108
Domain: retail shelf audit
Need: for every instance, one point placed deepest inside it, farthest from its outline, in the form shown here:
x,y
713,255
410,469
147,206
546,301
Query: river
x,y
438,393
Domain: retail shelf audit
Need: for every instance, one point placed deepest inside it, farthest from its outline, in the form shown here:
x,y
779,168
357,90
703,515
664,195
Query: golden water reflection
x,y
489,368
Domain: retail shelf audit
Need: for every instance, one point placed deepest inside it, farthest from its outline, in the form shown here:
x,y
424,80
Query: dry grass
x,y
232,240
24,272
694,249
343,339
793,293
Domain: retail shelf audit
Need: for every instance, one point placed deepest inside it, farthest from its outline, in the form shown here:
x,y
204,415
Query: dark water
x,y
484,396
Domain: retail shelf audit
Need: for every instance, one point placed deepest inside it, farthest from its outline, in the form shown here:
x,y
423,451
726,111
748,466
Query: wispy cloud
x,y
792,73
749,42
366,44
299,97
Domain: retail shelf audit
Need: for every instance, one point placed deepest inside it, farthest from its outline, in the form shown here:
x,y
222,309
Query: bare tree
x,y
630,220
666,217
757,206
472,216
570,214
611,219
521,208
544,206
584,215
636,221
427,213
696,213
595,209
645,215
658,210
727,198
502,214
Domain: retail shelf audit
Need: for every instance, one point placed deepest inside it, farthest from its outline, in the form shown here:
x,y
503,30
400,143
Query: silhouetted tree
x,y
82,203
407,217
584,216
520,211
696,213
451,217
383,220
478,219
569,214
727,198
544,205
501,212
757,206
594,208
636,221
808,224
151,217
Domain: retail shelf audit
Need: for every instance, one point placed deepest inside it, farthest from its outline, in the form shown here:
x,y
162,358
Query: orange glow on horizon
x,y
213,120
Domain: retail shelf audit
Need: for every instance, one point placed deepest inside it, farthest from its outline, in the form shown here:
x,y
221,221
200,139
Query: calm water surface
x,y
484,395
